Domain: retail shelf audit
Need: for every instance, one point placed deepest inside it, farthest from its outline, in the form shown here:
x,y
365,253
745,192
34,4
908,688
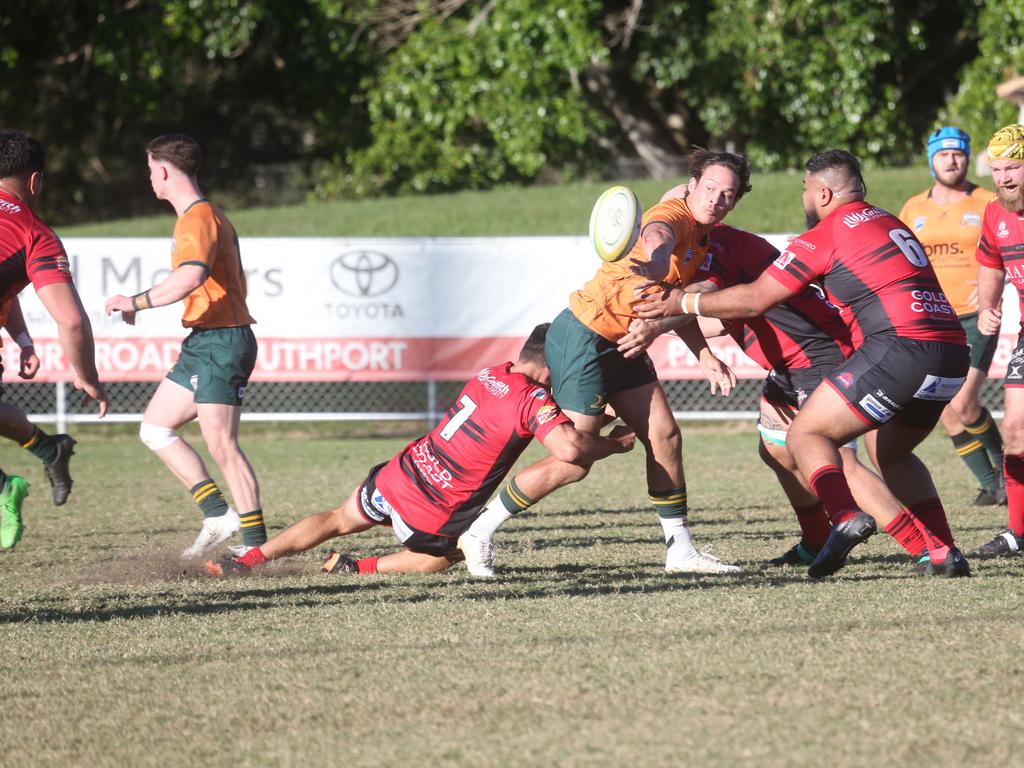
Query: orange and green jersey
x,y
605,303
950,235
203,236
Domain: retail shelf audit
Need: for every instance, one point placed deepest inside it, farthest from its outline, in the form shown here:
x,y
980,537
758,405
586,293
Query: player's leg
x,y
1011,540
54,451
646,409
13,490
970,427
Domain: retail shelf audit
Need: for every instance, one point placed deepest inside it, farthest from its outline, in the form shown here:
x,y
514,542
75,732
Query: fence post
x,y
431,401
62,407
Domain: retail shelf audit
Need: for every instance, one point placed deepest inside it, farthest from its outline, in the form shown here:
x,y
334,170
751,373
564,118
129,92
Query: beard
x,y
811,217
952,179
1011,201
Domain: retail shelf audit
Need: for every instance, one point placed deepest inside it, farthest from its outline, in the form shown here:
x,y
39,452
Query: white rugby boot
x,y
697,562
479,554
215,531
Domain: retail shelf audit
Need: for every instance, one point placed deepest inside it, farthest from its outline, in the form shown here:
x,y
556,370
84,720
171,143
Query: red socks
x,y
932,516
814,525
1013,467
907,534
367,564
252,558
831,487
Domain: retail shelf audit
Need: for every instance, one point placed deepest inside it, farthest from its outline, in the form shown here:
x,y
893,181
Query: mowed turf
x,y
582,653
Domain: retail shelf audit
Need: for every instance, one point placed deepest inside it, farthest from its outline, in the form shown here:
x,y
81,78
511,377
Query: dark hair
x,y
20,154
702,159
181,151
533,349
838,158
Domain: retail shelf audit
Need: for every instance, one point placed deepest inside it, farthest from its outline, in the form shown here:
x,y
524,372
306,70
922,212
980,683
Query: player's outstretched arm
x,y
738,302
75,331
568,444
29,362
175,287
718,374
657,240
990,297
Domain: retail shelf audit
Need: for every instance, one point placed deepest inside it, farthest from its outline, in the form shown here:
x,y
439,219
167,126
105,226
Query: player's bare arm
x,y
718,374
28,364
990,295
738,302
177,285
568,444
642,333
657,240
75,331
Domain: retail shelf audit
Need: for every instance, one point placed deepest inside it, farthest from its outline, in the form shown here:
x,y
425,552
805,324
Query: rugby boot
x,y
698,562
226,566
12,496
339,563
215,531
986,498
799,554
479,554
1005,544
953,565
58,471
841,539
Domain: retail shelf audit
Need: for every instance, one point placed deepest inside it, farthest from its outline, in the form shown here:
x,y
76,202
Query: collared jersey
x,y
1002,245
806,331
29,252
605,303
868,260
949,234
204,236
439,483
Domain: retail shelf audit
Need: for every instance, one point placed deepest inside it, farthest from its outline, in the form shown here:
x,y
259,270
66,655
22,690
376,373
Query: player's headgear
x,y
947,137
1007,143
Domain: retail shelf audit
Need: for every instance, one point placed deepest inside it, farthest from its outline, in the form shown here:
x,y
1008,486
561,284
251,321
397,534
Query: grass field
x,y
772,206
582,653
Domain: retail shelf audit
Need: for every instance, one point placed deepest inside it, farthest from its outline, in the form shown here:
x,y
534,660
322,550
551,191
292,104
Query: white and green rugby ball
x,y
615,222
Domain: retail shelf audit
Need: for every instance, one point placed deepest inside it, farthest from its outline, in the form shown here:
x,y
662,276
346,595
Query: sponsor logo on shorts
x,y
599,401
939,388
801,395
371,507
846,379
546,413
919,223
875,409
193,380
783,260
497,388
971,220
241,392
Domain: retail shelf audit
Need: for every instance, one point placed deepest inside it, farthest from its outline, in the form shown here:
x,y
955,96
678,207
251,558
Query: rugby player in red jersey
x,y
31,252
1001,254
911,354
436,486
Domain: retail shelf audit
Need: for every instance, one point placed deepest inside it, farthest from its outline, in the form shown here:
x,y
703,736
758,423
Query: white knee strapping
x,y
156,437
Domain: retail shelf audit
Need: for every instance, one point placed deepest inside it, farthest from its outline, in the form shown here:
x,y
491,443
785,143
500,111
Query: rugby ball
x,y
615,222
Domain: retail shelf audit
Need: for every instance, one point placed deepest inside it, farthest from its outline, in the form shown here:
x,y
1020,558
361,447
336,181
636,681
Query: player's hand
x,y
665,301
638,338
989,321
624,436
719,375
122,304
654,268
28,365
93,392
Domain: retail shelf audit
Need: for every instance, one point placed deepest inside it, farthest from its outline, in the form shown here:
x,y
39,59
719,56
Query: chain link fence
x,y
368,401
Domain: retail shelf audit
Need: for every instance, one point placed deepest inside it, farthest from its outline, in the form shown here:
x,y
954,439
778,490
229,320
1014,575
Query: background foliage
x,y
371,97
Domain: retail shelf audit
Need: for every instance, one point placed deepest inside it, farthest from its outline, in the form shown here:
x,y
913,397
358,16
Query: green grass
x,y
772,206
582,653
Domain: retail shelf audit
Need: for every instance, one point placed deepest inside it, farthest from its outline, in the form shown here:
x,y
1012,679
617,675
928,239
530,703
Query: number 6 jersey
x,y
869,261
440,482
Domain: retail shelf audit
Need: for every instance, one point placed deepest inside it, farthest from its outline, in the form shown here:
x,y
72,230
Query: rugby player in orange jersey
x,y
589,372
209,378
947,220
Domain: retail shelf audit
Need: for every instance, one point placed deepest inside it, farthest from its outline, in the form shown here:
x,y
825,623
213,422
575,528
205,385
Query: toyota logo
x,y
364,273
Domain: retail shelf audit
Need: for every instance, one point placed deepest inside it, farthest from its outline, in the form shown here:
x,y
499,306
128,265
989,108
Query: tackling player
x,y
947,220
31,252
1001,254
911,356
436,486
208,380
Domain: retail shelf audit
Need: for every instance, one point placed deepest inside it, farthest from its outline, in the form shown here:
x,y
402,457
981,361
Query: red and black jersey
x,y
1002,245
867,260
439,483
29,251
807,331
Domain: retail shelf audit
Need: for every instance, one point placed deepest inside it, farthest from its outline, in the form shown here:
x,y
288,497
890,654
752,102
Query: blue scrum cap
x,y
947,137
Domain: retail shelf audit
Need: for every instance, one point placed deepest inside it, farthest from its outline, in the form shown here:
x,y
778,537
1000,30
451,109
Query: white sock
x,y
678,533
494,514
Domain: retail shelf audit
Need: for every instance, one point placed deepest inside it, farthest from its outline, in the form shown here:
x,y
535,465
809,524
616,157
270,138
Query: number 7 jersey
x,y
869,261
440,482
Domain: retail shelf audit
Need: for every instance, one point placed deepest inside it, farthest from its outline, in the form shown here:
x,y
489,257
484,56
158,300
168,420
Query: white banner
x,y
366,309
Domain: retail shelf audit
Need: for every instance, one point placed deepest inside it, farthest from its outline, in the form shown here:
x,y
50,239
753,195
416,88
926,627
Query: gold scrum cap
x,y
1007,143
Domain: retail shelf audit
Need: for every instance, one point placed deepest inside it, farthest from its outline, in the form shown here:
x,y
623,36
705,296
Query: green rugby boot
x,y
11,497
